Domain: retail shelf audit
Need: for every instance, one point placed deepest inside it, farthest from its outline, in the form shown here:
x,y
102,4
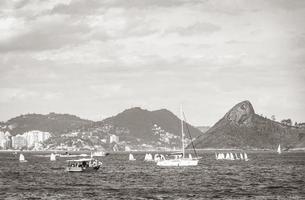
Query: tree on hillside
x,y
273,117
286,122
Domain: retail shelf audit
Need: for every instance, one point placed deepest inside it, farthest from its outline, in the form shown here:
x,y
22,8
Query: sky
x,y
95,58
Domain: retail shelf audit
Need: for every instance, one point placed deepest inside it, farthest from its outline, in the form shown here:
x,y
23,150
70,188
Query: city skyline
x,y
95,59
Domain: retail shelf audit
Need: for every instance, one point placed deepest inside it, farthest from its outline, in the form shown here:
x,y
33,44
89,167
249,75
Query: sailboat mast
x,y
182,132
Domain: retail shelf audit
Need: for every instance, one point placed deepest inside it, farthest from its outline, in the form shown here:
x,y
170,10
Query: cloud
x,y
45,33
92,57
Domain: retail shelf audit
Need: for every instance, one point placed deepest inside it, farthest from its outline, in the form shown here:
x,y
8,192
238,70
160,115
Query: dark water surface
x,y
265,176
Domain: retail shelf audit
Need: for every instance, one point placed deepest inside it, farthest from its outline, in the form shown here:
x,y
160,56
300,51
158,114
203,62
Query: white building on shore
x,y
30,139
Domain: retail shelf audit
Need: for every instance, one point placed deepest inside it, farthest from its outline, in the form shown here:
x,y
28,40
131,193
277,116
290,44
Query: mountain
x,y
156,128
134,128
52,122
241,128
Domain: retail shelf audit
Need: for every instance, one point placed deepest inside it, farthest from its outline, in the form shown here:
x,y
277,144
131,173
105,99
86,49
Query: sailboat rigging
x,y
180,160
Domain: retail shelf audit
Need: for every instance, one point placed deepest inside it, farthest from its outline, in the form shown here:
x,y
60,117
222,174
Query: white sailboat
x,y
231,156
52,157
279,151
148,157
131,157
179,161
21,158
241,156
246,156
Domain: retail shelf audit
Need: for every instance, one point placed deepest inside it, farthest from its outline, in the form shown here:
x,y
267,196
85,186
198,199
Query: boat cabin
x,y
83,165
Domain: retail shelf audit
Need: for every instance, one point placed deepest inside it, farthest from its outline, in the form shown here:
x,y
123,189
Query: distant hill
x,y
160,127
52,122
241,128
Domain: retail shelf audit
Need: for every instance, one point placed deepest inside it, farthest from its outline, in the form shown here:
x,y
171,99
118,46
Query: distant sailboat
x,y
227,156
148,157
231,156
246,157
241,156
21,158
279,151
131,158
52,157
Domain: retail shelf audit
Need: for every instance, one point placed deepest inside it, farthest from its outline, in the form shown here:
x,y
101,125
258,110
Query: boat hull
x,y
178,163
81,169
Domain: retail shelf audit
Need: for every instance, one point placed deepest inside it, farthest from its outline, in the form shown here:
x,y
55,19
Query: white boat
x,y
246,156
179,161
131,157
83,165
52,157
279,151
231,156
148,157
21,158
241,156
158,157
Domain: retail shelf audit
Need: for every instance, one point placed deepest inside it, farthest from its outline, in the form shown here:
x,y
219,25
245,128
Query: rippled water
x,y
265,176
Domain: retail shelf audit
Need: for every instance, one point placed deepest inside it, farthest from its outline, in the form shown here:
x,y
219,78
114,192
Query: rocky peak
x,y
241,114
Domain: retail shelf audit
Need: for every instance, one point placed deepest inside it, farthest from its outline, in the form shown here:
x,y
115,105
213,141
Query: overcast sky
x,y
97,58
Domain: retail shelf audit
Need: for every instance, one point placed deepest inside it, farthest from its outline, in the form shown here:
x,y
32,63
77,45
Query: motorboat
x,y
83,165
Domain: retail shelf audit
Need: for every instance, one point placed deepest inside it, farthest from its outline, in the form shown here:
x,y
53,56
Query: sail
x,y
21,157
231,156
246,157
241,156
131,157
279,151
53,157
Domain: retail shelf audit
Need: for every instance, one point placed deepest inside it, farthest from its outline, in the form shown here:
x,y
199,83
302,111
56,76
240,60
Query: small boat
x,y
279,151
179,160
83,165
21,158
131,157
148,157
241,156
246,157
52,157
231,156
